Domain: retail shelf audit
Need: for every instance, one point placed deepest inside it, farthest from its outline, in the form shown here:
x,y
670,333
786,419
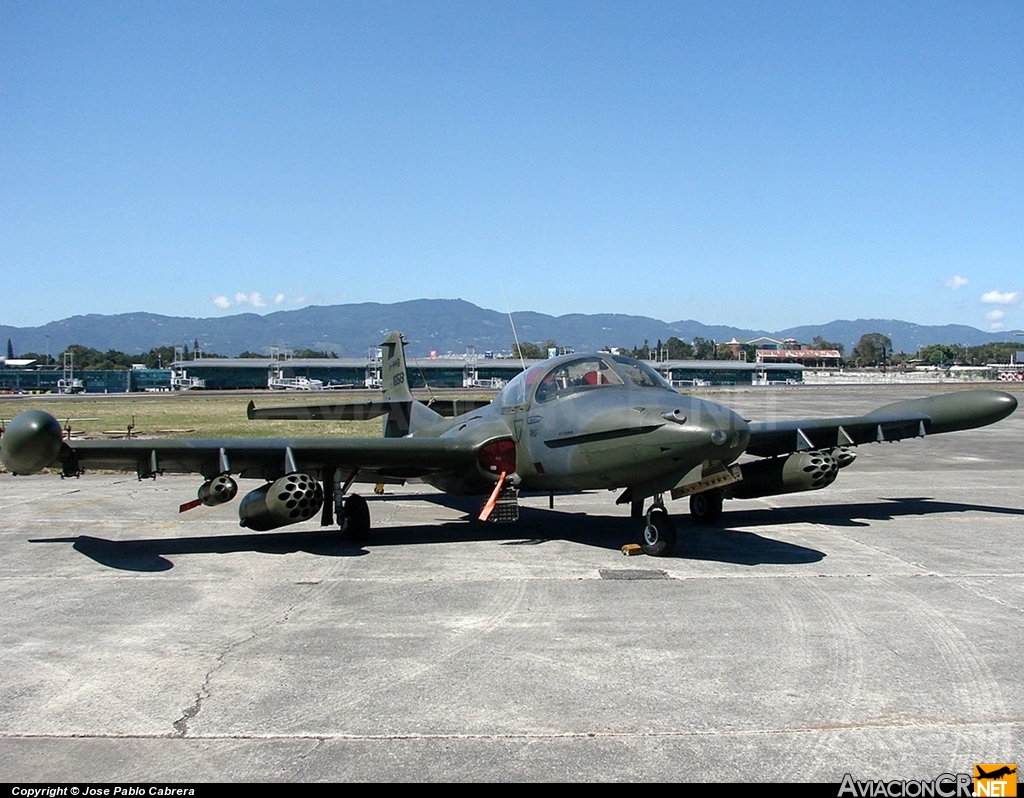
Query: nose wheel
x,y
659,534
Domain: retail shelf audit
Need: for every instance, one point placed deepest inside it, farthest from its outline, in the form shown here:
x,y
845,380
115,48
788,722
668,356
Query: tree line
x,y
89,359
871,351
875,349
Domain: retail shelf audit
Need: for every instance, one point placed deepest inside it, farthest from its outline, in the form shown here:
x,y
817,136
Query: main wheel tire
x,y
706,507
659,535
355,519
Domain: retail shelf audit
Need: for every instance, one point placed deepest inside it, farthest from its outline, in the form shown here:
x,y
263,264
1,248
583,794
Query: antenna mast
x,y
515,335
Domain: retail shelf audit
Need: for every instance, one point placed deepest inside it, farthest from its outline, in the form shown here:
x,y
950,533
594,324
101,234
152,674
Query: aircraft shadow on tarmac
x,y
730,544
860,514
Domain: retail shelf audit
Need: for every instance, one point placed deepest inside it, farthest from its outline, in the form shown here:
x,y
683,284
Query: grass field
x,y
187,415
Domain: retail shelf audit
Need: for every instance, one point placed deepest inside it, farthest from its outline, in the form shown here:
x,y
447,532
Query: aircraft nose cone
x,y
726,431
734,437
698,424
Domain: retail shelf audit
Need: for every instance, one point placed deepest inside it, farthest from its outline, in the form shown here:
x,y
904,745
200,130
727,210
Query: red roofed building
x,y
809,358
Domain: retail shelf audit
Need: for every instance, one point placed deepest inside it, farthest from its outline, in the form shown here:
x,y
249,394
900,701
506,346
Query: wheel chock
x,y
632,548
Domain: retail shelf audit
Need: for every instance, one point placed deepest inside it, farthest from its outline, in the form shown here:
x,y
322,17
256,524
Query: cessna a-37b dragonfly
x,y
572,423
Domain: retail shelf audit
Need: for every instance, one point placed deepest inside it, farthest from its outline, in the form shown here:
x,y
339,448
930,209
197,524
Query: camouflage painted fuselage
x,y
610,434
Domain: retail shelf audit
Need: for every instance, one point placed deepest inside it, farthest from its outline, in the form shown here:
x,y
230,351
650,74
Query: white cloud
x,y
999,297
996,325
255,299
995,315
955,282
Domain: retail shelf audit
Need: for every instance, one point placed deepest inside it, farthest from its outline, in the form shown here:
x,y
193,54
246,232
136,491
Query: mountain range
x,y
442,325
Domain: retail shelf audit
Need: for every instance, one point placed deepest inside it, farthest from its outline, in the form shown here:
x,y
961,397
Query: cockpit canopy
x,y
566,376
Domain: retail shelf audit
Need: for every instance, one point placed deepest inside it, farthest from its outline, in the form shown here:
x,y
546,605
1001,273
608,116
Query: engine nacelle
x,y
219,490
292,498
31,442
798,472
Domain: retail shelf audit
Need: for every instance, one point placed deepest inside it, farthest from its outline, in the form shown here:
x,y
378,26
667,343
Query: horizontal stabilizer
x,y
350,411
358,411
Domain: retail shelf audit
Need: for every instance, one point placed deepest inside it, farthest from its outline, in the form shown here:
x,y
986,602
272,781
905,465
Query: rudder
x,y
407,415
393,377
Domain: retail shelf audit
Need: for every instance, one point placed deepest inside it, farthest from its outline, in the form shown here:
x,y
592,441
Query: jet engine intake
x,y
798,472
498,457
219,490
292,498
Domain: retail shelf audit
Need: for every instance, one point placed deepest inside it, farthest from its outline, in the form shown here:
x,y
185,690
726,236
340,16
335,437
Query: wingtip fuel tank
x,y
31,442
950,412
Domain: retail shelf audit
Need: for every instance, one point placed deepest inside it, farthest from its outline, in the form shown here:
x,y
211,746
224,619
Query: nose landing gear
x,y
658,538
659,533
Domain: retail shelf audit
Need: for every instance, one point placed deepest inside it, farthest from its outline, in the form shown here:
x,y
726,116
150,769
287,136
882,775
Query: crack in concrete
x,y
318,743
180,726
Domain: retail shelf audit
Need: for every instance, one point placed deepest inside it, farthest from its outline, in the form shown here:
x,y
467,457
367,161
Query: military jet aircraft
x,y
571,423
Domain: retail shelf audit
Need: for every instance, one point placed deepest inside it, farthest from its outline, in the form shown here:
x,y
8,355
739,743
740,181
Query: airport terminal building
x,y
220,374
454,372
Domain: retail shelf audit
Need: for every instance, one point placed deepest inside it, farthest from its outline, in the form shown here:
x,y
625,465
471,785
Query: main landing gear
x,y
352,512
706,507
354,518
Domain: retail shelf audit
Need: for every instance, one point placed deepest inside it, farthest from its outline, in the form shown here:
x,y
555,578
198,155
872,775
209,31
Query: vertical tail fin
x,y
407,415
393,378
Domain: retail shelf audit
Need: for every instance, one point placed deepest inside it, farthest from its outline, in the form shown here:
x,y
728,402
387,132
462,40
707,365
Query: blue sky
x,y
756,164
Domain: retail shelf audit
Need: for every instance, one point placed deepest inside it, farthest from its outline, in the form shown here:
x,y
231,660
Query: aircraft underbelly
x,y
459,484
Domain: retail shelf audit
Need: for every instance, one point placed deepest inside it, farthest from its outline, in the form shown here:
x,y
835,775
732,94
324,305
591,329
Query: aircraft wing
x,y
359,411
783,437
911,418
378,459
